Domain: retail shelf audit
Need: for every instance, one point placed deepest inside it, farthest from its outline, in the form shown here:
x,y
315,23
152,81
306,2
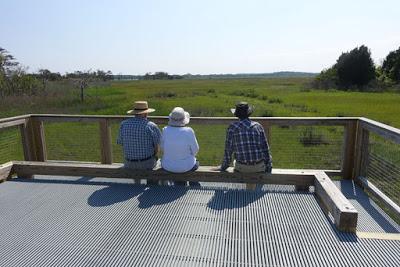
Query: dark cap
x,y
242,110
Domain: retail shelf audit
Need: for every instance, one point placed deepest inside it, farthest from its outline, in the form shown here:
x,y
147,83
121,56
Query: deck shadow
x,y
84,180
160,195
113,194
232,199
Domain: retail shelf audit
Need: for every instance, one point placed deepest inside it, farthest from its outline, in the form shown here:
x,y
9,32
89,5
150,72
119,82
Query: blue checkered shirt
x,y
245,139
139,138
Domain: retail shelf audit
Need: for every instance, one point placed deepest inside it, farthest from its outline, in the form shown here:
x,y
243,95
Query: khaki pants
x,y
259,167
141,165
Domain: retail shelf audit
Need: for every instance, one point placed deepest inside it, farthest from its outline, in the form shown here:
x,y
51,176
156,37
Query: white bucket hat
x,y
179,117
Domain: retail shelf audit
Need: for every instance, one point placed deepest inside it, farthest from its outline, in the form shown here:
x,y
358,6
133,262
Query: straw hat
x,y
178,117
140,107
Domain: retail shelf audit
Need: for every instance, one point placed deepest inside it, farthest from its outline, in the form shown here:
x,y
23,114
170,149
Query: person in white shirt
x,y
179,144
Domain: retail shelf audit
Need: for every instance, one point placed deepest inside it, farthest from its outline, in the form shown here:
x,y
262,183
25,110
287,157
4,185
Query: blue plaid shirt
x,y
139,138
246,140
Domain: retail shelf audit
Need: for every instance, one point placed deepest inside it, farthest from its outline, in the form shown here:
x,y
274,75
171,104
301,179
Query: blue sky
x,y
135,37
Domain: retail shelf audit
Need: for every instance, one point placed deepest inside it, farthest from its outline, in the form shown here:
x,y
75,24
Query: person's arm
x,y
266,152
228,150
194,145
156,136
119,139
157,150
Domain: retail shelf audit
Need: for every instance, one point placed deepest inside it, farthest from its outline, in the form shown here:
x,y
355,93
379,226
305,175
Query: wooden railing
x,y
34,142
38,143
354,150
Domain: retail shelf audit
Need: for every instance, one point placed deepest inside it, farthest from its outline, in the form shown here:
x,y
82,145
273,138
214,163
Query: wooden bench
x,y
330,197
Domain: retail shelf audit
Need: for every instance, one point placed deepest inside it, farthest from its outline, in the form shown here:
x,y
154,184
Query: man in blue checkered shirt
x,y
140,138
246,141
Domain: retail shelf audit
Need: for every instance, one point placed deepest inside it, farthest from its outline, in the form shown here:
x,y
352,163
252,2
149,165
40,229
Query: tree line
x,y
16,81
355,70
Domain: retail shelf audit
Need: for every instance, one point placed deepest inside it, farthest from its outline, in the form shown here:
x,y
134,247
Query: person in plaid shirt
x,y
140,139
246,141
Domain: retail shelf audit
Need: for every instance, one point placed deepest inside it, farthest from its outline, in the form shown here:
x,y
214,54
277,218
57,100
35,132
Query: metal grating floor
x,y
66,221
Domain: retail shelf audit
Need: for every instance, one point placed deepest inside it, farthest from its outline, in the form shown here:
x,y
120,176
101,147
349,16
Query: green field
x,y
271,97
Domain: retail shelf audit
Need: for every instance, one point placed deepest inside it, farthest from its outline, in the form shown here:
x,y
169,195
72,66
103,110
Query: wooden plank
x,y
204,173
6,171
105,142
39,140
8,124
350,133
285,121
333,201
378,236
279,121
27,140
371,188
386,131
364,153
361,151
22,117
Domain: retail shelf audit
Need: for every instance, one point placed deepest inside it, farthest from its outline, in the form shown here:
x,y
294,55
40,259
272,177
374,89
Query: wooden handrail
x,y
3,120
381,129
279,121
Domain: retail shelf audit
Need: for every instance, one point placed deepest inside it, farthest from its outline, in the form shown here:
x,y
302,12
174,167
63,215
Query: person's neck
x,y
141,117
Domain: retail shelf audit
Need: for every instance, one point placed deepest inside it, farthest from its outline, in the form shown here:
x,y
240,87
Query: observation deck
x,y
66,201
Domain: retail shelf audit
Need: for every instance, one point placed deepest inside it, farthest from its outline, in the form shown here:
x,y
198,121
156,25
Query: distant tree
x,y
48,75
103,75
7,65
13,77
355,68
391,66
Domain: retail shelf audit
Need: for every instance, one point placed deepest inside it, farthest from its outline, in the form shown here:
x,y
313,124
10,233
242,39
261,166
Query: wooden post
x,y
27,140
364,153
361,152
350,133
39,140
105,142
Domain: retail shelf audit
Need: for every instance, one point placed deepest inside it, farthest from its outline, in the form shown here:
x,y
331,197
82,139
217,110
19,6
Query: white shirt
x,y
179,146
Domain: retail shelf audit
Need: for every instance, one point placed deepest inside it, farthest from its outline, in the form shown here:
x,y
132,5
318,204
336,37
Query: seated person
x,y
179,144
140,139
246,141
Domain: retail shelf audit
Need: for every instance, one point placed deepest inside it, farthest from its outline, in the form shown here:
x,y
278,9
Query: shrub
x,y
355,68
275,100
251,93
165,94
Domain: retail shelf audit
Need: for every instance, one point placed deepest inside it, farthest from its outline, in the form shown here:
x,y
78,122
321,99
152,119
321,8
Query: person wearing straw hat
x,y
246,141
179,144
140,138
